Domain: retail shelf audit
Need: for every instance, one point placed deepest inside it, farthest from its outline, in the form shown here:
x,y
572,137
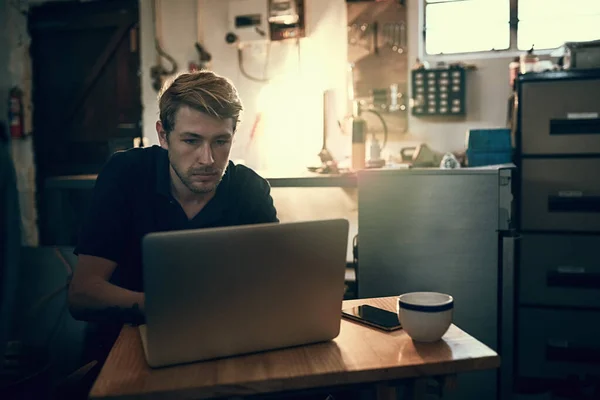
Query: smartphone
x,y
373,316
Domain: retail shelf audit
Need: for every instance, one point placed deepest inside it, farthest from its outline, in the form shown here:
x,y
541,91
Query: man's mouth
x,y
205,173
208,176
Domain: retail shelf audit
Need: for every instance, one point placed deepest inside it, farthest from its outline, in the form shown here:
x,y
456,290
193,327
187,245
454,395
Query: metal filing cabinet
x,y
558,256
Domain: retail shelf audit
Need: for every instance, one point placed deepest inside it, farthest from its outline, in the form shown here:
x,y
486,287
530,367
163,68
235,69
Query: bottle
x,y
513,68
359,128
375,151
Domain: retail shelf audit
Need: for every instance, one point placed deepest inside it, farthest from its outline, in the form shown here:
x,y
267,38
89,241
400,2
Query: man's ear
x,y
162,135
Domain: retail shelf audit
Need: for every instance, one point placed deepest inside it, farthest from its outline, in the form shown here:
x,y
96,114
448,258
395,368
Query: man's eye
x,y
222,142
190,141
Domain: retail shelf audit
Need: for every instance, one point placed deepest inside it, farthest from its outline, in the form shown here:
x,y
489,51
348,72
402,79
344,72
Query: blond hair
x,y
203,91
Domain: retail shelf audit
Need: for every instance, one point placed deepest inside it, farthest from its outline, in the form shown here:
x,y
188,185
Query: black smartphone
x,y
373,316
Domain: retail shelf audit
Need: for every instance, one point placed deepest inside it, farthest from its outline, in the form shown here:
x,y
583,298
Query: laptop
x,y
220,292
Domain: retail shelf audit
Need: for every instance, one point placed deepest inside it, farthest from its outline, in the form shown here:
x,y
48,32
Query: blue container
x,y
488,147
489,139
482,158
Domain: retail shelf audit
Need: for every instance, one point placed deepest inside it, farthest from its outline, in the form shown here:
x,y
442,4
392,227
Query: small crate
x,y
489,139
481,158
488,147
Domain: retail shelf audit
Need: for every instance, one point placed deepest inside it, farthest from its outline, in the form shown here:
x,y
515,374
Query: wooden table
x,y
359,355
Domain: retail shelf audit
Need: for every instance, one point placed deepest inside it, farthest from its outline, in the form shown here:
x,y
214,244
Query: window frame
x,y
512,51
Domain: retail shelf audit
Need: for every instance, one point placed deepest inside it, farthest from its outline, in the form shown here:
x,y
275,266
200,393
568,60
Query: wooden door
x,y
86,86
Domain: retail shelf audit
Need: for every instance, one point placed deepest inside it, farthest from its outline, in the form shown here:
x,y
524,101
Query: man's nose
x,y
205,155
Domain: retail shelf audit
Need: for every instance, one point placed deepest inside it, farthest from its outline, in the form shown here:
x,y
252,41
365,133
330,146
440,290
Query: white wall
x,y
289,135
291,130
15,70
178,23
487,94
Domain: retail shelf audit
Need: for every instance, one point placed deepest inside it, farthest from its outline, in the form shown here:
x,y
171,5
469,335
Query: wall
x,y
487,94
292,103
378,68
15,70
178,28
289,133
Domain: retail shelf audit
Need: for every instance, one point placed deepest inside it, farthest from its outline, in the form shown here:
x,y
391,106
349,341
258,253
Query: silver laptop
x,y
219,292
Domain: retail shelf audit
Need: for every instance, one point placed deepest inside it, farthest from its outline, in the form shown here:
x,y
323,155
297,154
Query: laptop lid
x,y
220,292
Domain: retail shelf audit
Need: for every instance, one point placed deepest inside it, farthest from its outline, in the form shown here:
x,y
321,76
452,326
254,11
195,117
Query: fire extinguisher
x,y
15,113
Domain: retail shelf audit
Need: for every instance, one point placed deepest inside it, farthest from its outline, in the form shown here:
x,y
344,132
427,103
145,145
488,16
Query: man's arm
x,y
101,249
93,298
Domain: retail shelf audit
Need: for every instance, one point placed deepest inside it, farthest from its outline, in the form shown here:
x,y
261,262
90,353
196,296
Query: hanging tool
x,y
158,71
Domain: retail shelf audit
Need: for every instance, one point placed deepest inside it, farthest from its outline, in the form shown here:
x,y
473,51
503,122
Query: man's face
x,y
199,147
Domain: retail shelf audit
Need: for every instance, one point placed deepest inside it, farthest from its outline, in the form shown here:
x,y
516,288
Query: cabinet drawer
x,y
560,117
560,194
559,270
558,343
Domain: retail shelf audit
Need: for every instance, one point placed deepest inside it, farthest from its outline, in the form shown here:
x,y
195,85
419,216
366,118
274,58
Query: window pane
x,y
547,24
466,26
441,1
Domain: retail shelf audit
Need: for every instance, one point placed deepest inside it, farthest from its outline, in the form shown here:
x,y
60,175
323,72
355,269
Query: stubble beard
x,y
194,187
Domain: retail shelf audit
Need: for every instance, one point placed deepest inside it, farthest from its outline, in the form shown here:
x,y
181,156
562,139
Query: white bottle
x,y
375,150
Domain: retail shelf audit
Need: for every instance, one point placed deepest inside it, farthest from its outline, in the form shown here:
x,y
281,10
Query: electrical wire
x,y
385,127
166,56
243,70
159,50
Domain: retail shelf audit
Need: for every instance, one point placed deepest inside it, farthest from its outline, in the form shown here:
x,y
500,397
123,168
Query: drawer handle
x,y
573,278
575,126
566,351
586,204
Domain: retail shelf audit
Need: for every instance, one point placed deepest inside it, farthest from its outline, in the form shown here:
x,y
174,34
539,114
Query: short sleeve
x,y
261,208
108,222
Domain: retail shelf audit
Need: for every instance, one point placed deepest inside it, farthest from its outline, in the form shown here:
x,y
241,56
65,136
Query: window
x,y
462,26
547,24
466,26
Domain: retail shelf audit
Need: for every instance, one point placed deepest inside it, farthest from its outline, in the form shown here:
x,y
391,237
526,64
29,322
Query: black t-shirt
x,y
133,197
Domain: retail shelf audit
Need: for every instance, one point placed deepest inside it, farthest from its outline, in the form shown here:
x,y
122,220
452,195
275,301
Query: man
x,y
186,183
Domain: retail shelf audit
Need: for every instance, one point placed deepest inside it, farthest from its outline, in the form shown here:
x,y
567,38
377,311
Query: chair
x,y
43,328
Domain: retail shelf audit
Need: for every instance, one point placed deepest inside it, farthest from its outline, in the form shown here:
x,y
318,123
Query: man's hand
x,y
93,298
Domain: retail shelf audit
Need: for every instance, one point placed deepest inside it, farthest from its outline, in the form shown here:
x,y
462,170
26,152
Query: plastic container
x,y
488,147
483,158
